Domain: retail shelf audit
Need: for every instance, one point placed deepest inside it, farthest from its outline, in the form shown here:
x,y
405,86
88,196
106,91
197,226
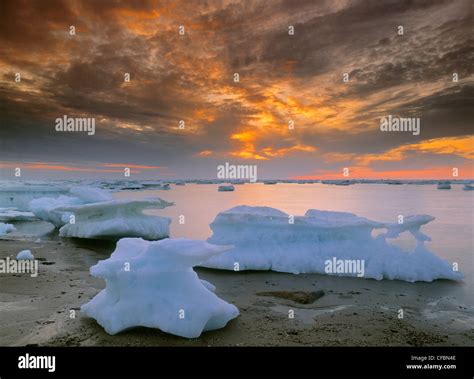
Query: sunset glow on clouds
x,y
282,78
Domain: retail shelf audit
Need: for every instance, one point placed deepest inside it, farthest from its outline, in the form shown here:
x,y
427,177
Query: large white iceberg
x,y
152,284
269,239
116,219
46,208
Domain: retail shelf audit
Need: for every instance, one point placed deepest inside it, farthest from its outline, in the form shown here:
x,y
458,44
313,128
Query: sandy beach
x,y
350,312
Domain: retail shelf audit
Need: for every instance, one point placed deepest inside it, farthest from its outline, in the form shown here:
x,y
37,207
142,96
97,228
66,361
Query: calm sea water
x,y
451,232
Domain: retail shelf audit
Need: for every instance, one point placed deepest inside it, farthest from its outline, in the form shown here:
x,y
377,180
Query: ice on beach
x,y
6,228
269,239
116,219
25,255
46,208
152,284
10,214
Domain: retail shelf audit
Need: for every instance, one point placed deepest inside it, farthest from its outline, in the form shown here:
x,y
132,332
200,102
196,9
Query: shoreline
x,y
352,311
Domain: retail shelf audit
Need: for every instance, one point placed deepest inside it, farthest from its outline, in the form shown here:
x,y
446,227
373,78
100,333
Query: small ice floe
x,y
444,185
468,187
152,284
226,188
116,219
338,182
25,255
157,185
131,186
334,243
205,181
6,228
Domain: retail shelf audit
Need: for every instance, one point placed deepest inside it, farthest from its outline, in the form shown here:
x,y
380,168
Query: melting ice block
x,y
46,208
159,290
269,239
116,219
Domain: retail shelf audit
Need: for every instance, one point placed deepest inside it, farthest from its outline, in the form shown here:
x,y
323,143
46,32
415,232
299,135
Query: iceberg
x,y
116,219
268,239
46,208
6,228
152,284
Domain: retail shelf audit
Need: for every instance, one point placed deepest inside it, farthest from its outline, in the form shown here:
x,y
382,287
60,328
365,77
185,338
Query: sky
x,y
293,111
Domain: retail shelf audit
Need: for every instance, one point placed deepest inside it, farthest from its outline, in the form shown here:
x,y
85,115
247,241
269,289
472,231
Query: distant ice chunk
x,y
116,219
268,239
444,185
6,228
226,188
25,255
159,290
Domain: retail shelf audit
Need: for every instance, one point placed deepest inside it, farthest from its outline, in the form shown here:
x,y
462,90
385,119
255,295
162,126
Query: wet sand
x,y
351,312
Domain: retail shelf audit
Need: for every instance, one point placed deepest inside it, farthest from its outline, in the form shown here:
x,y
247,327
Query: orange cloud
x,y
205,153
287,150
459,146
465,172
145,167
